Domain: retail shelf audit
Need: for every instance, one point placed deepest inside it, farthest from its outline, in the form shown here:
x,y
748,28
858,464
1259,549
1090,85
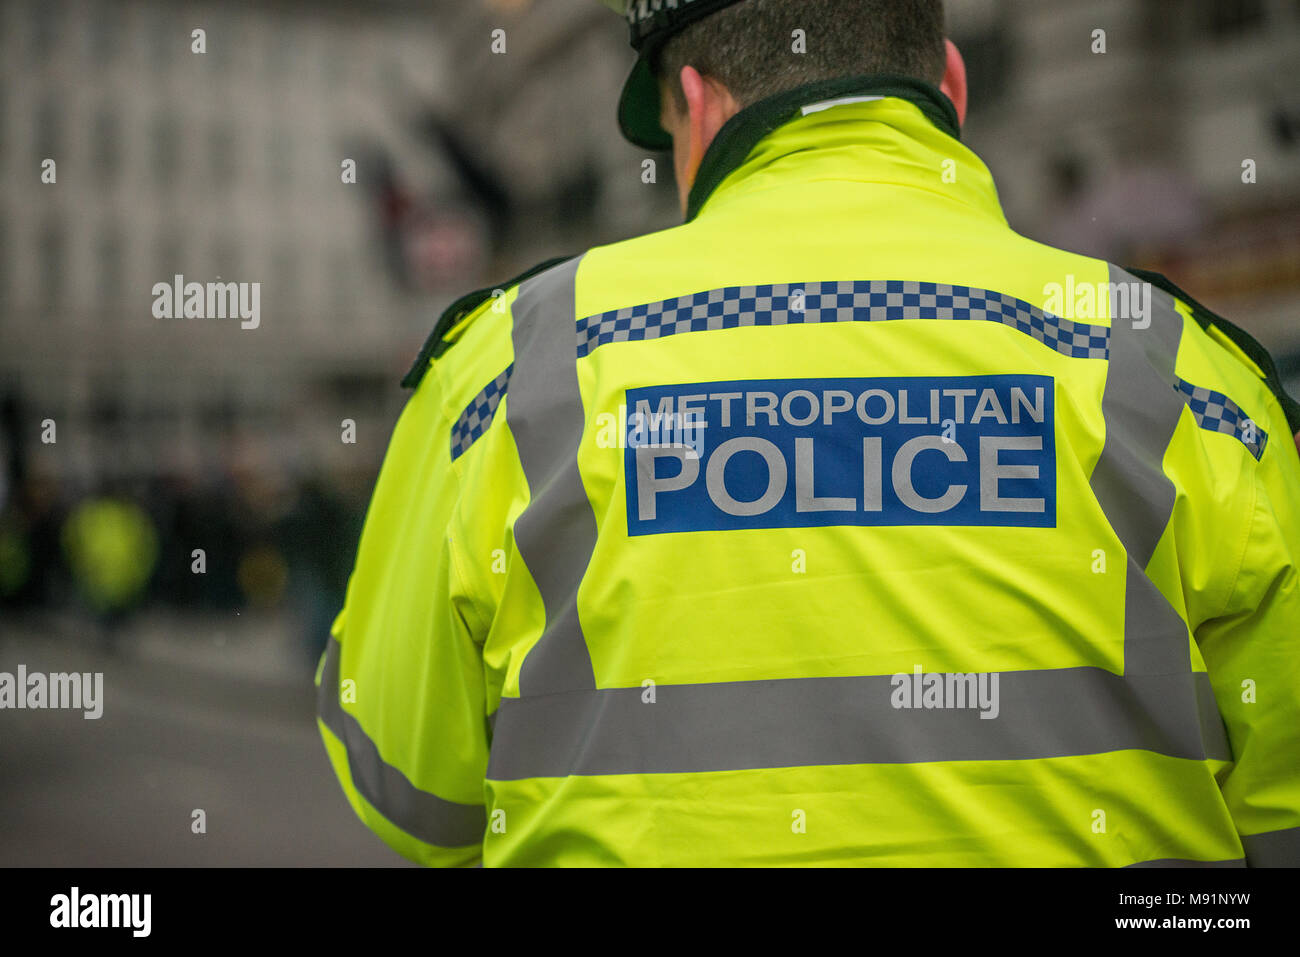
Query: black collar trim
x,y
740,134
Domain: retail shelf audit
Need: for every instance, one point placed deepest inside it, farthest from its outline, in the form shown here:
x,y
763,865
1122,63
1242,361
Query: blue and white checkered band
x,y
1215,412
478,415
641,11
849,301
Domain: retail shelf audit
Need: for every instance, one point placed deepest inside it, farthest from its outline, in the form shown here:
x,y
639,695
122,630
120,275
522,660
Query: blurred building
x,y
476,160
1136,153
226,165
217,164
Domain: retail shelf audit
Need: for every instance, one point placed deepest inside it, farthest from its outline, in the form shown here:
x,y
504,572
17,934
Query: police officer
x,y
839,524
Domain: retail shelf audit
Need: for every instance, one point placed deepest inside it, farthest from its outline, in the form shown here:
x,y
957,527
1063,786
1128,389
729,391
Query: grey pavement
x,y
199,713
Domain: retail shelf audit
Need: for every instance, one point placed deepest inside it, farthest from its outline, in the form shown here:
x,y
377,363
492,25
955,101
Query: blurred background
x,y
128,442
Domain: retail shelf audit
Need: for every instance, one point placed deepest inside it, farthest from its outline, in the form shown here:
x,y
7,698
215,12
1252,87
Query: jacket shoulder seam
x,y
436,344
1248,344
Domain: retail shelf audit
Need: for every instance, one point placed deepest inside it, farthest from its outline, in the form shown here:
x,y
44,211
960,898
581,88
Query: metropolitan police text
x,y
784,453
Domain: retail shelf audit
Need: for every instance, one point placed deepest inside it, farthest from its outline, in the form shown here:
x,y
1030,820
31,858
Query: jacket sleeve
x,y
1252,654
401,686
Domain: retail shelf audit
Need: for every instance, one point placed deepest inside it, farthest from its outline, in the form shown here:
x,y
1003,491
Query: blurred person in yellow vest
x,y
111,547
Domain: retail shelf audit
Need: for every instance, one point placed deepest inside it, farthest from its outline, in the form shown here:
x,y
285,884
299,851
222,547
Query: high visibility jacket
x,y
840,525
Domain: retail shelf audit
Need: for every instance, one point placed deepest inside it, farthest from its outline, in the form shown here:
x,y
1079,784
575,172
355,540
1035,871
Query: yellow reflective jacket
x,y
840,525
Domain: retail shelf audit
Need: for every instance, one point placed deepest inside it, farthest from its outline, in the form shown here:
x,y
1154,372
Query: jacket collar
x,y
765,132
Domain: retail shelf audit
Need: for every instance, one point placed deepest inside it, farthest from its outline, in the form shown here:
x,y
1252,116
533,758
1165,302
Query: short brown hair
x,y
748,46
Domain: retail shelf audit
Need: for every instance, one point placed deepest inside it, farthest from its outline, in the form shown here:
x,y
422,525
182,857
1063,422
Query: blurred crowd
x,y
233,539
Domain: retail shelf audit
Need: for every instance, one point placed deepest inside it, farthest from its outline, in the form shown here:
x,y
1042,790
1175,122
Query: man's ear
x,y
954,80
709,104
696,92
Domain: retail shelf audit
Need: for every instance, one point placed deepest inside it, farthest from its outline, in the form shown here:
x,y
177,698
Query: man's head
x,y
747,52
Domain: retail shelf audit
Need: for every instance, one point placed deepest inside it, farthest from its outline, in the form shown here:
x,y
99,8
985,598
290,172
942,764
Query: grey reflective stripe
x,y
1273,848
807,722
1141,411
1156,639
556,532
419,813
1174,862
